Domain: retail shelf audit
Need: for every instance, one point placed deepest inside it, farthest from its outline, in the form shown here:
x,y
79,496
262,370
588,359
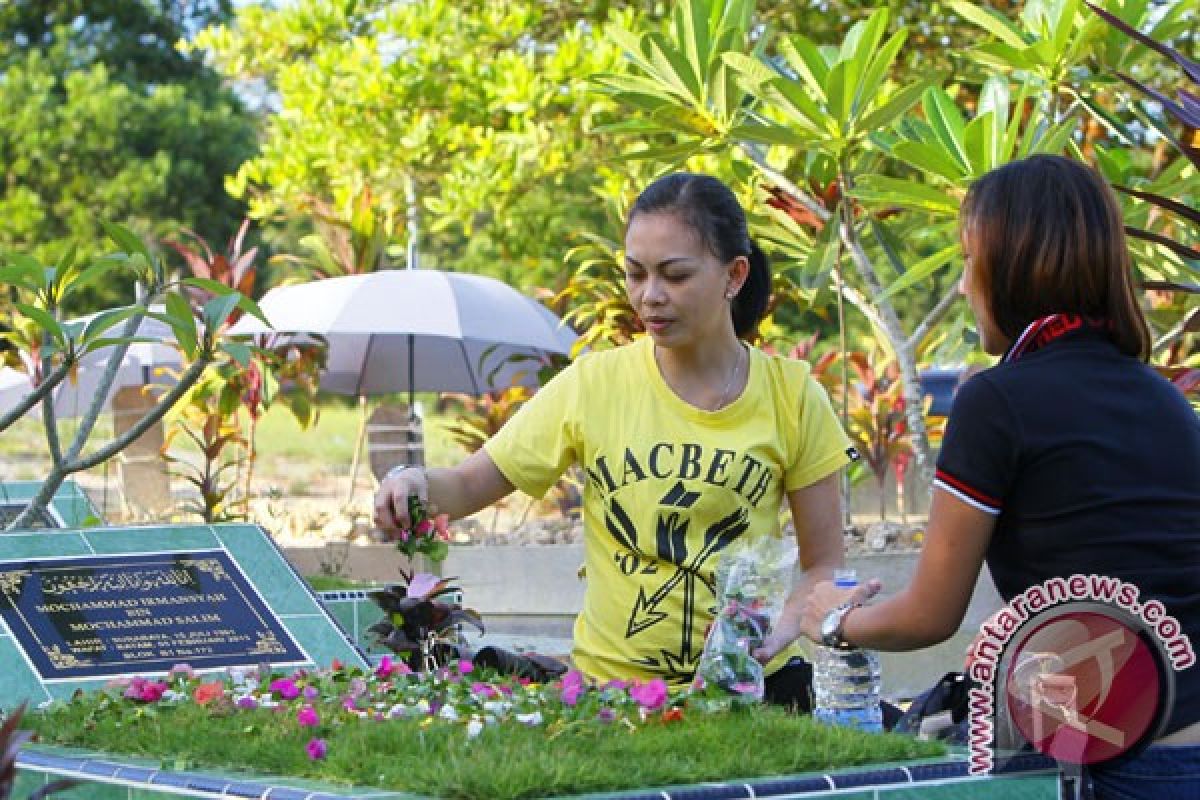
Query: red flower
x,y
208,692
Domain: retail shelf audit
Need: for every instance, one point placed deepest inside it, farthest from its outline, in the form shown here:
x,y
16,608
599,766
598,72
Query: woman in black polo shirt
x,y
1069,457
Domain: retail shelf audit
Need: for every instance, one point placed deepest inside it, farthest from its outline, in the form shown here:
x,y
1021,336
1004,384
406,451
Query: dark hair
x,y
1047,238
710,208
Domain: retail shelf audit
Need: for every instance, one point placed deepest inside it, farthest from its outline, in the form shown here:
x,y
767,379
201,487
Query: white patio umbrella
x,y
139,367
417,330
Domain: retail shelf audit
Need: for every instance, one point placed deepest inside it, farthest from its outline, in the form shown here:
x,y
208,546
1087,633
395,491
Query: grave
x,y
79,608
70,508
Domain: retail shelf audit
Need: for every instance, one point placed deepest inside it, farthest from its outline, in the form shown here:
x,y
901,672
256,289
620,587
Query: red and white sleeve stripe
x,y
967,493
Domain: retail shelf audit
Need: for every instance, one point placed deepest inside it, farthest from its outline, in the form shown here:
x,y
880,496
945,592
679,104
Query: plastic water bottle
x,y
846,682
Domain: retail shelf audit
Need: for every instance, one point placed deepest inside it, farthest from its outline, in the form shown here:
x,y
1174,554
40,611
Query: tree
x,y
55,346
102,118
864,161
475,116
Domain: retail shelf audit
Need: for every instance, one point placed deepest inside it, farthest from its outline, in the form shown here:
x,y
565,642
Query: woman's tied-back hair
x,y
710,208
1047,237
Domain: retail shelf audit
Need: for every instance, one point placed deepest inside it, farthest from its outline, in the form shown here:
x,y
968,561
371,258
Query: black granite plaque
x,y
111,615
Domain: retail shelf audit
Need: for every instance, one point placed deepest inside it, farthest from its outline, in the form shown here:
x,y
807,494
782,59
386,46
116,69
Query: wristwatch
x,y
831,626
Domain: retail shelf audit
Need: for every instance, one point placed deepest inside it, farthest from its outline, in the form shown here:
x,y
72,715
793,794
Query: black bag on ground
x,y
940,712
533,666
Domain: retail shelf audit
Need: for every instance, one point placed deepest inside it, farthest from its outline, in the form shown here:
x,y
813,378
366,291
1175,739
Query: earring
x,y
729,293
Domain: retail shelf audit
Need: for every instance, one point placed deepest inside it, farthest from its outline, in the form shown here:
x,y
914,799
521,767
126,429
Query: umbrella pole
x,y
358,447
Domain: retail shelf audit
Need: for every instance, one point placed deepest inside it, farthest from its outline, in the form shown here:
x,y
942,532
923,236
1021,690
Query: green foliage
x,y
49,348
100,118
478,112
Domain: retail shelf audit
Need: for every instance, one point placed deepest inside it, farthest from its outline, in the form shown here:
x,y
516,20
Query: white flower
x,y
531,719
172,696
474,727
448,712
398,710
423,706
497,706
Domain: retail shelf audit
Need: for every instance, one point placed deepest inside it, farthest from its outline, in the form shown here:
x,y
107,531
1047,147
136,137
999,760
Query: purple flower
x,y
616,684
572,687
349,703
285,688
606,715
650,696
358,687
307,717
483,690
247,702
311,693
316,749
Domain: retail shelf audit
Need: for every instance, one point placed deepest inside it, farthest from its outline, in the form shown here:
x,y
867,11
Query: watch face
x,y
830,625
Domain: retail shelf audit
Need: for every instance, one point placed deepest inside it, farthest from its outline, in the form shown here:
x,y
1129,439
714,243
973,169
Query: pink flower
x,y
285,688
311,693
349,703
465,667
572,687
483,690
145,691
181,671
650,696
422,584
442,523
307,717
388,668
748,688
616,684
606,715
316,749
424,527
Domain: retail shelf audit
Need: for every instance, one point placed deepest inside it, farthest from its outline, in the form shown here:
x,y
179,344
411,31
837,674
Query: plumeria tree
x,y
861,165
50,347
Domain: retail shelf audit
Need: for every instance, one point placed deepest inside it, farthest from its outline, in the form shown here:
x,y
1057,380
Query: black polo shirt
x,y
1090,462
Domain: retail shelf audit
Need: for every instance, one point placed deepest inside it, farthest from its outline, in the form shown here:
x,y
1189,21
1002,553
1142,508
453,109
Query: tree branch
x,y
804,198
889,325
48,385
103,387
186,380
933,318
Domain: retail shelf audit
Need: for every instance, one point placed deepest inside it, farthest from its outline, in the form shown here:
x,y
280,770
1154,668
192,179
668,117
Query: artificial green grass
x,y
329,583
504,761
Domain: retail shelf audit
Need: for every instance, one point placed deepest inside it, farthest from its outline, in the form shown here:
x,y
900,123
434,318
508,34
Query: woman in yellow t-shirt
x,y
689,439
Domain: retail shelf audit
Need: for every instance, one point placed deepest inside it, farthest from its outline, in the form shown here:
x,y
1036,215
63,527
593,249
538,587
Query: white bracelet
x,y
396,470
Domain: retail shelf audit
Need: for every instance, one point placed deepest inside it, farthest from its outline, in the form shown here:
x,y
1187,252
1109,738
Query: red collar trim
x,y
1042,332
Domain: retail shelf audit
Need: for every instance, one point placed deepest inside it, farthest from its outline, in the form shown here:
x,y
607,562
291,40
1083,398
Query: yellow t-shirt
x,y
668,487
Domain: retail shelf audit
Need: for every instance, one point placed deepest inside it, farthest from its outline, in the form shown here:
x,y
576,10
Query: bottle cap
x,y
845,578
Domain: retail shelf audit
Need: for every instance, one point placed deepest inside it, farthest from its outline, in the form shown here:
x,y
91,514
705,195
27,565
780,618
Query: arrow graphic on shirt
x,y
671,546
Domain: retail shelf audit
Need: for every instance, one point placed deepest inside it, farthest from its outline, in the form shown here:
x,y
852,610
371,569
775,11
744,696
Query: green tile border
x,y
940,778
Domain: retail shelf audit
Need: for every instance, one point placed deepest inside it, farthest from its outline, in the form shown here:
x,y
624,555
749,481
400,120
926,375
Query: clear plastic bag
x,y
753,582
